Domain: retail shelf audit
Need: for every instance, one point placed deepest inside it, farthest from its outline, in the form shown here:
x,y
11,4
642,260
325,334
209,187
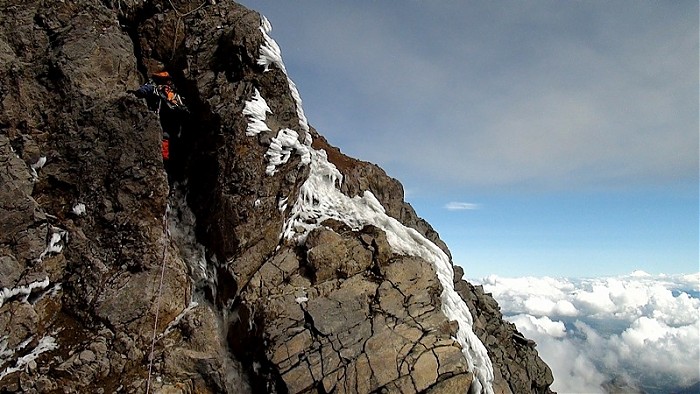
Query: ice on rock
x,y
24,291
46,344
79,209
256,110
37,166
181,226
300,111
282,204
270,53
39,163
281,149
55,245
319,199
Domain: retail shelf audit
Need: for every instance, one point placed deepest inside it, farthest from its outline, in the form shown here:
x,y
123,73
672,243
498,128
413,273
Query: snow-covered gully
x,y
320,198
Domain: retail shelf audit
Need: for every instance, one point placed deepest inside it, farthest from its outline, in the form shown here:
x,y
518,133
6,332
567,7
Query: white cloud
x,y
641,327
574,371
541,306
542,325
461,206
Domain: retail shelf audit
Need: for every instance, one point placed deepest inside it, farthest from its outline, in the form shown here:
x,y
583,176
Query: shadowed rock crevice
x,y
198,144
246,340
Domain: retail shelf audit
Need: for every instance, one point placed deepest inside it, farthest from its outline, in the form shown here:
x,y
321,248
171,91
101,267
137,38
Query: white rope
x,y
160,290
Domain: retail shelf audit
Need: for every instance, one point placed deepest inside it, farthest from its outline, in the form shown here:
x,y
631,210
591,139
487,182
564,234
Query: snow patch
x,y
46,344
256,110
5,353
55,245
301,296
281,149
24,291
39,163
270,53
282,204
37,166
79,209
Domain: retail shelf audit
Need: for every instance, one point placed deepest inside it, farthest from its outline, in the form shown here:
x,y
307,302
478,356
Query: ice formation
x,y
320,199
58,237
37,166
256,110
281,149
24,291
46,344
181,228
79,209
270,53
283,145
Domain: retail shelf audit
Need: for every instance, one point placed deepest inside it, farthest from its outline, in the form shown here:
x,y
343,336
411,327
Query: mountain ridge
x,y
257,290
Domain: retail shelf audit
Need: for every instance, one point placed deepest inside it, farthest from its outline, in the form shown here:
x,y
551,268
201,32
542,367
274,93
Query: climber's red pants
x,y
165,147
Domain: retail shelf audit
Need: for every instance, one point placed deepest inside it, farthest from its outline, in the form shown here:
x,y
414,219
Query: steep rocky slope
x,y
263,260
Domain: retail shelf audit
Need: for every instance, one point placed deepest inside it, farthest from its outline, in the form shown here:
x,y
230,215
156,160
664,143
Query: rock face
x,y
105,255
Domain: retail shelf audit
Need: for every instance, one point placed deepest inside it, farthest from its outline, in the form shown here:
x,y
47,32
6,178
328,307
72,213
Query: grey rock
x,y
87,356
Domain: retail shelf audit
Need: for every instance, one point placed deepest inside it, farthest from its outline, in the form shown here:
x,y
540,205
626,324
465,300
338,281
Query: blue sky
x,y
568,130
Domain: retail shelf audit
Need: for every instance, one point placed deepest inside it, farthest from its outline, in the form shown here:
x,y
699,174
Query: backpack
x,y
171,98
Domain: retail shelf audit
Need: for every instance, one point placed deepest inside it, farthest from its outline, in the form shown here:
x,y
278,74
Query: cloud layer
x,y
640,328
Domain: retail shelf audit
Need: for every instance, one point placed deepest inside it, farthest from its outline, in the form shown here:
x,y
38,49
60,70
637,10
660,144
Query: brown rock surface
x,y
380,328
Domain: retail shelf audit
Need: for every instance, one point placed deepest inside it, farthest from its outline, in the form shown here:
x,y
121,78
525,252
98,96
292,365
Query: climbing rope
x,y
166,231
180,15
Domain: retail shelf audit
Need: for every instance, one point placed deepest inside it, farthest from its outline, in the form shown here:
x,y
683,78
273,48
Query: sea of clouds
x,y
638,330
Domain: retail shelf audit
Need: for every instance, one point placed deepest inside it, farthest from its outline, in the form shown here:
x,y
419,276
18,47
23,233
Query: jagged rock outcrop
x,y
251,283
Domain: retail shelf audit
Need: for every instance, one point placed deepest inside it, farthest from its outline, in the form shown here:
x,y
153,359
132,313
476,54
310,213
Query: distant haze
x,y
642,329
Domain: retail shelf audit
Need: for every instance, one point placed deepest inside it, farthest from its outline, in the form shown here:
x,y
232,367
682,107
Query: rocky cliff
x,y
259,259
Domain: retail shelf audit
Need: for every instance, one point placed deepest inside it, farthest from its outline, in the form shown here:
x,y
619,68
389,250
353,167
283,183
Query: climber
x,y
165,146
160,89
